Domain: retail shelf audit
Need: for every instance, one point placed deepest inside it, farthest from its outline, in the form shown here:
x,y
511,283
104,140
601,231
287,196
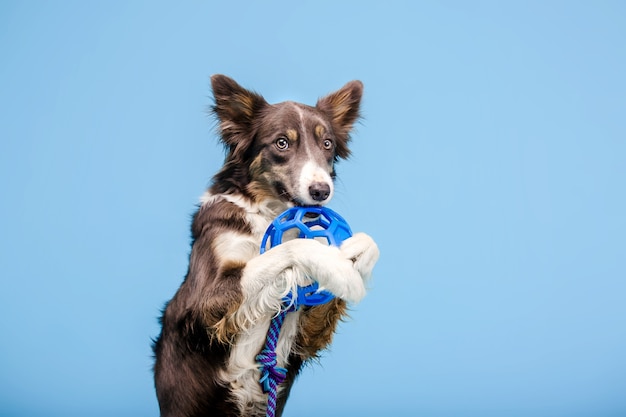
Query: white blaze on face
x,y
310,174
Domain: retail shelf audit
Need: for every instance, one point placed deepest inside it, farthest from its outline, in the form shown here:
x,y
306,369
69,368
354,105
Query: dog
x,y
277,156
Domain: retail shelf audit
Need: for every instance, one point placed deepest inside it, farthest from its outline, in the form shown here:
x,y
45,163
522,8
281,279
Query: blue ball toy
x,y
308,223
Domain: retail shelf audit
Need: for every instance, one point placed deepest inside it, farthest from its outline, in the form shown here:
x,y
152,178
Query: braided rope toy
x,y
309,223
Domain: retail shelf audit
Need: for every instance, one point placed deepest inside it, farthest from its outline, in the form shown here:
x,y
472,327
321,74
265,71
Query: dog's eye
x,y
282,143
328,144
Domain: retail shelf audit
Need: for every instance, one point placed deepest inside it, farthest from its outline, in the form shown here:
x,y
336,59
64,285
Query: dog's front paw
x,y
363,252
328,266
344,280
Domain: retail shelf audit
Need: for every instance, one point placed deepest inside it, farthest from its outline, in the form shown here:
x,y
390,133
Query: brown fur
x,y
317,327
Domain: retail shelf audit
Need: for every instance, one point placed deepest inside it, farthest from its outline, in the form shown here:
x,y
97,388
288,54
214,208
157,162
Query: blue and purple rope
x,y
271,374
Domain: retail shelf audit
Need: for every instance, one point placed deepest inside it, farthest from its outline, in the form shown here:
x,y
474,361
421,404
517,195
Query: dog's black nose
x,y
319,191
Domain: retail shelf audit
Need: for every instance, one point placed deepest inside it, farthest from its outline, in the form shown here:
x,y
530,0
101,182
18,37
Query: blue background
x,y
489,167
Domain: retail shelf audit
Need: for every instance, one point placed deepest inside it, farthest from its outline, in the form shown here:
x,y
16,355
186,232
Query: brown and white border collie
x,y
278,156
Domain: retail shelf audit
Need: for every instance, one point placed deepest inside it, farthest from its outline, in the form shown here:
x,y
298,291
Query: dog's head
x,y
285,151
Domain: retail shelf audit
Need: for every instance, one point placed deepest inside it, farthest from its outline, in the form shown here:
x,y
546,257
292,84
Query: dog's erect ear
x,y
342,107
235,107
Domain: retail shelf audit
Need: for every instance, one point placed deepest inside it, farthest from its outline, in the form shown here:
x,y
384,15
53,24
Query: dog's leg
x,y
269,277
317,327
318,323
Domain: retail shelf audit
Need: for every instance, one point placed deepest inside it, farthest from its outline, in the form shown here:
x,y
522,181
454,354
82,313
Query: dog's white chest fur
x,y
243,372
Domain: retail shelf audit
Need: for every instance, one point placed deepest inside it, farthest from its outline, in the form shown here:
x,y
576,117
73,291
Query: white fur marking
x,y
259,215
309,175
235,246
301,115
311,172
244,372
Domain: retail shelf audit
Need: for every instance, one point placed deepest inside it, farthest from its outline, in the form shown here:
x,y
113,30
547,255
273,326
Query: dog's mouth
x,y
283,194
286,196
